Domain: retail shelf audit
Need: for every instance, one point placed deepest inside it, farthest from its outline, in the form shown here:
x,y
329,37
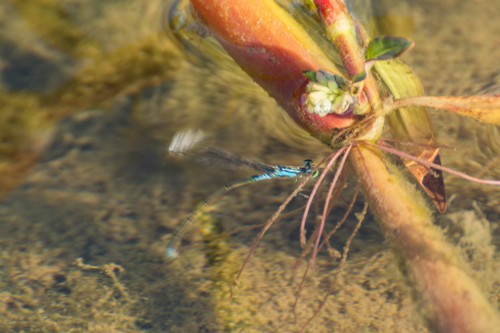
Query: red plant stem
x,y
270,47
343,30
275,51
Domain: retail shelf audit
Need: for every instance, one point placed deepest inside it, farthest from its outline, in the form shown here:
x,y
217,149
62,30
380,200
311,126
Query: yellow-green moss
x,y
49,19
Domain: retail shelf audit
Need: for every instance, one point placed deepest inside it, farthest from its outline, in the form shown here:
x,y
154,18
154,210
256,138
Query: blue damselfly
x,y
182,145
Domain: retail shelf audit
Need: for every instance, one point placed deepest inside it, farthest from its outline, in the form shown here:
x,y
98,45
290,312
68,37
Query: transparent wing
x,y
191,145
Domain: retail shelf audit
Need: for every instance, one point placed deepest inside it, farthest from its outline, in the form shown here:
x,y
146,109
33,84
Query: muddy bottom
x,y
82,238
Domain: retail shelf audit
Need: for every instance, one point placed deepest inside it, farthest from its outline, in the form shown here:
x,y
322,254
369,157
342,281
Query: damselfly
x,y
185,141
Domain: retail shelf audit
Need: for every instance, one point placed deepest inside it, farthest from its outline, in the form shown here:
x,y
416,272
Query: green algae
x,y
27,119
77,202
53,24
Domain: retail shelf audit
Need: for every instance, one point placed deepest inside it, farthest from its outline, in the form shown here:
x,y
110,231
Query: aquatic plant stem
x,y
485,108
347,34
275,51
269,45
449,298
341,30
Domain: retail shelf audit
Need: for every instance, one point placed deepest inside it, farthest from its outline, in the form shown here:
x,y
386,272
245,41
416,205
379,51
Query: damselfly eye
x,y
307,167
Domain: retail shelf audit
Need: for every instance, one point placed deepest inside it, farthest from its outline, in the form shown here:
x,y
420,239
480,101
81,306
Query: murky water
x,y
91,95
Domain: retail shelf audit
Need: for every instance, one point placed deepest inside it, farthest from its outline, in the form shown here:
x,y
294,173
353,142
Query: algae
x,y
102,190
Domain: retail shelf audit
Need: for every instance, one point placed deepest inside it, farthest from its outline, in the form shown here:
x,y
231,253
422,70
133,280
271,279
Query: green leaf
x,y
311,75
412,124
387,47
359,77
309,4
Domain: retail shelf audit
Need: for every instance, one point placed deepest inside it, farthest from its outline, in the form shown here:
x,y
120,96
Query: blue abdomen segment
x,y
278,172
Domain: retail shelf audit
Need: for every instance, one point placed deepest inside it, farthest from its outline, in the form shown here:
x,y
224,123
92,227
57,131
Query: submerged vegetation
x,y
346,110
75,206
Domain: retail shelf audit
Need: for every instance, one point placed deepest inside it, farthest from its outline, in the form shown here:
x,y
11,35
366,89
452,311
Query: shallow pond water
x,y
94,93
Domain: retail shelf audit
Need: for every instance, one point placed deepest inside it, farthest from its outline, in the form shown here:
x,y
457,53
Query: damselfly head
x,y
308,167
308,163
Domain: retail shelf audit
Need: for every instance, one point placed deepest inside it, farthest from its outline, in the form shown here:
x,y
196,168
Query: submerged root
x,y
343,259
331,160
428,164
341,221
319,239
110,270
269,223
327,204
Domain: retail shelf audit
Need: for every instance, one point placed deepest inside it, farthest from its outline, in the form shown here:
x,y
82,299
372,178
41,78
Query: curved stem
x,y
448,295
485,108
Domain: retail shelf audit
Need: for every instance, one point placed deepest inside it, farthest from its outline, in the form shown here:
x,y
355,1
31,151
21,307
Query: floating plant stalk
x,y
276,51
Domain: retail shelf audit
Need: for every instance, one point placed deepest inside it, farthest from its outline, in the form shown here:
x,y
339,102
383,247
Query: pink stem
x,y
327,203
433,165
332,160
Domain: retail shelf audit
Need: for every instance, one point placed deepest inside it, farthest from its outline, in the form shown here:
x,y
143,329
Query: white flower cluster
x,y
327,94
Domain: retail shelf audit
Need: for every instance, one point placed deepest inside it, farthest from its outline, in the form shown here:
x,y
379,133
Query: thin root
x,y
327,204
109,270
360,217
332,158
268,225
428,164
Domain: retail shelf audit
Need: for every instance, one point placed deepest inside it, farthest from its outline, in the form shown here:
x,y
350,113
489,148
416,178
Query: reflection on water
x,y
91,94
